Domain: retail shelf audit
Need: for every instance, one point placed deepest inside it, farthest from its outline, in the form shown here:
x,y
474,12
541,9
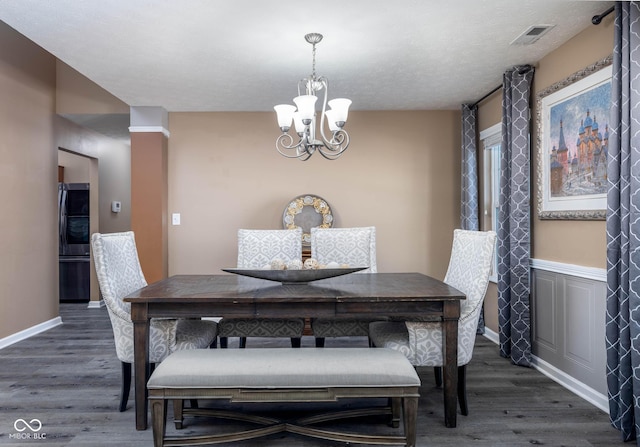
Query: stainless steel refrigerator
x,y
73,230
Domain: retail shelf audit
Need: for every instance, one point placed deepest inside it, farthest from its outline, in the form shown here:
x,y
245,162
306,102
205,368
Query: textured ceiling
x,y
247,55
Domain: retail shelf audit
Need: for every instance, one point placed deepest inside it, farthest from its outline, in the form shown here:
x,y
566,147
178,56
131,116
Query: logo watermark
x,y
27,429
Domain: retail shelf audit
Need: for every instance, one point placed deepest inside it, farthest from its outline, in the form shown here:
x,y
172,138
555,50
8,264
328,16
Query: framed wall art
x,y
573,132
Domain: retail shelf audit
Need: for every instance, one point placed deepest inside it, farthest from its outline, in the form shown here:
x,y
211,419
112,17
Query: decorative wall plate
x,y
294,276
307,211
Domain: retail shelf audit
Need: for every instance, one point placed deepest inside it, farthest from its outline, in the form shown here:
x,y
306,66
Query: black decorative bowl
x,y
294,276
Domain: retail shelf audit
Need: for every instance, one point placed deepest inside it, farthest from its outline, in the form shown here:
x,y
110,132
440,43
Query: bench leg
x,y
396,408
158,420
178,418
410,410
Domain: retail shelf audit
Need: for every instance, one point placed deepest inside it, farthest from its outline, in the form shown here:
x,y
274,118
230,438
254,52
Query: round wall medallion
x,y
307,211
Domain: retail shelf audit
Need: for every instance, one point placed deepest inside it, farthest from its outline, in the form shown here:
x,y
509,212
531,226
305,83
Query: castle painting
x,y
573,144
579,132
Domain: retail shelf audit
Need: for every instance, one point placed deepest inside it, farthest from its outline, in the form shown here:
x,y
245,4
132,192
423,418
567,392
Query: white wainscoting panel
x,y
568,315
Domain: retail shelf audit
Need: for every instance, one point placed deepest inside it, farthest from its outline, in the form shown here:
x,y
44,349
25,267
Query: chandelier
x,y
303,115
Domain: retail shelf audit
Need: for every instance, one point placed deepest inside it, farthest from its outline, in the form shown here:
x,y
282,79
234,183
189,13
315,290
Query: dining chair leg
x,y
462,390
319,342
126,385
243,342
224,342
296,342
437,372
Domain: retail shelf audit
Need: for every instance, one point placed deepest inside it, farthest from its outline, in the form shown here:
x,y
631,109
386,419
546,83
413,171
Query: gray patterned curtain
x,y
469,205
514,219
623,227
469,201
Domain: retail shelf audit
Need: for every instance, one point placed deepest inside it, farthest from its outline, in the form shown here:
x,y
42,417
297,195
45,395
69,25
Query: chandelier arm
x,y
281,145
338,144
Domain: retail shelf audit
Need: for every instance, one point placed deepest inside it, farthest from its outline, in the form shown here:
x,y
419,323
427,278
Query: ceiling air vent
x,y
532,34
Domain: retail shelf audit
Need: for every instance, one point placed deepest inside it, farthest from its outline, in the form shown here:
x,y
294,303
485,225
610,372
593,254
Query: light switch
x,y
175,218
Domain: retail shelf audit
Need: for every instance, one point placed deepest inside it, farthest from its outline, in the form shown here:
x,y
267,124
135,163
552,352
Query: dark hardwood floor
x,y
69,377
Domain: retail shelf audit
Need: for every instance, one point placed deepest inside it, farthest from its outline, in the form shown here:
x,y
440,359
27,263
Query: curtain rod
x,y
597,19
486,96
521,70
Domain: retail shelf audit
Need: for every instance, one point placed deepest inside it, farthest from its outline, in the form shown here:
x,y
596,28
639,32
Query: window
x,y
491,140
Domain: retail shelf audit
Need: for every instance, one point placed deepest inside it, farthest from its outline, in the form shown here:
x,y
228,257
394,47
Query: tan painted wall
x,y
75,93
32,134
28,166
572,242
149,196
400,174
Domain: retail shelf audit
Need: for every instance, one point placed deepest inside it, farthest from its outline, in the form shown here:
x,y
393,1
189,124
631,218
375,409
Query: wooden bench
x,y
285,375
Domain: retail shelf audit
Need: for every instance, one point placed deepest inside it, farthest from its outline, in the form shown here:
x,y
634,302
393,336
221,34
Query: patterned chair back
x,y
118,269
119,273
469,269
257,248
353,246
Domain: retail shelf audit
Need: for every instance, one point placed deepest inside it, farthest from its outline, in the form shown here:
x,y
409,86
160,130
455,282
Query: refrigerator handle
x,y
63,222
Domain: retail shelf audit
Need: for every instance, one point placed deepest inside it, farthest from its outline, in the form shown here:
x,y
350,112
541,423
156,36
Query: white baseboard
x,y
96,304
493,336
586,392
575,386
30,332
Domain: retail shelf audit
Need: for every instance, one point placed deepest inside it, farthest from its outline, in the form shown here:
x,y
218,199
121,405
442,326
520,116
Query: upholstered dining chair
x,y
119,273
421,342
355,247
257,249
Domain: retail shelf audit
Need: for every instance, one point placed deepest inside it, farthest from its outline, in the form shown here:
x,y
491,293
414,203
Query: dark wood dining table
x,y
366,295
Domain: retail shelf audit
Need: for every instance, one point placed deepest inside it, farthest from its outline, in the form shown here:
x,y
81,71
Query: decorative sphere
x,y
296,264
311,264
278,264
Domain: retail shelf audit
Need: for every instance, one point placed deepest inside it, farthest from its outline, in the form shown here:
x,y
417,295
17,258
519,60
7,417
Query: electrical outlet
x,y
175,219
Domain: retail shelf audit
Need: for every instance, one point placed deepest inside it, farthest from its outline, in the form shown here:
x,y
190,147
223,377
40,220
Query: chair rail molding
x,y
580,271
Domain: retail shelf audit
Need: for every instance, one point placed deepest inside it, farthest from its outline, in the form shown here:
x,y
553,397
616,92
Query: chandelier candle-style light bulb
x,y
303,115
